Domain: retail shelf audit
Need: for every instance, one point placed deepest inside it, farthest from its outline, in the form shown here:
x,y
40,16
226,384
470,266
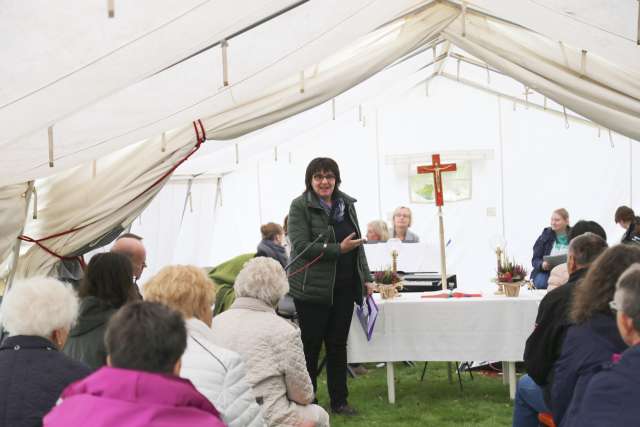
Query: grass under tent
x,y
434,402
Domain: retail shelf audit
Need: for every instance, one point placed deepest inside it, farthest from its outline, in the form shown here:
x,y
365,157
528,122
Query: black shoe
x,y
345,410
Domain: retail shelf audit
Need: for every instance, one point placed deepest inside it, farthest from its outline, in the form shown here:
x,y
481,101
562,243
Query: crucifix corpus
x,y
437,168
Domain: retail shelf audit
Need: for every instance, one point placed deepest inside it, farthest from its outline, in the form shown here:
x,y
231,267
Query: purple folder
x,y
367,314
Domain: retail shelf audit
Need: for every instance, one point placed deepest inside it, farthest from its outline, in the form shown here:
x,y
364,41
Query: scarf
x,y
271,249
335,211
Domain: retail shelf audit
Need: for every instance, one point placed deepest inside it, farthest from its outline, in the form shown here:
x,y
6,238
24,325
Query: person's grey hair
x,y
627,296
38,306
262,278
586,248
381,229
397,210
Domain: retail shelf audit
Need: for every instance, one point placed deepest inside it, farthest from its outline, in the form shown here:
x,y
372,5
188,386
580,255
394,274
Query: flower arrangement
x,y
388,283
510,276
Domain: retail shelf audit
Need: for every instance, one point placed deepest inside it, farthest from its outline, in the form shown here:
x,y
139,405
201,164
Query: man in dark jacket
x,y
612,396
545,342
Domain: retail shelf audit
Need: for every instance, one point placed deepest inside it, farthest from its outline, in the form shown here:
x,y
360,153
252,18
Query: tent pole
x,y
501,150
378,148
18,243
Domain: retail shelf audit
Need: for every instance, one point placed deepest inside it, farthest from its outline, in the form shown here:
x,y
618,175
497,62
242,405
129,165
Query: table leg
x,y
505,372
391,383
512,380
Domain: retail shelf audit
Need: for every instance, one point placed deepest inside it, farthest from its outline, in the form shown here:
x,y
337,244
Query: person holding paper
x,y
552,241
329,276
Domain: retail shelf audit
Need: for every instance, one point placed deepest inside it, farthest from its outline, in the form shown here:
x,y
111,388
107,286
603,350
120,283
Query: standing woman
x,y
330,276
553,240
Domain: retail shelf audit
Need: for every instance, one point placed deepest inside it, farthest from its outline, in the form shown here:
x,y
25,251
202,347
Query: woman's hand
x,y
349,243
370,288
545,266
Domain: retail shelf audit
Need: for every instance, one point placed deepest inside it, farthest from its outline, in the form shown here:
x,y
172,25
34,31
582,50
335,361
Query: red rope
x,y
307,265
201,137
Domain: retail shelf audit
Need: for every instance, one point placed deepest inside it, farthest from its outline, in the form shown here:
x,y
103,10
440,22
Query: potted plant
x,y
510,277
388,283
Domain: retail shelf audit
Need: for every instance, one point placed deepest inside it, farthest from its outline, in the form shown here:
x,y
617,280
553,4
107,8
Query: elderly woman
x,y
216,372
330,274
553,240
107,286
272,243
270,346
402,220
593,339
377,231
38,314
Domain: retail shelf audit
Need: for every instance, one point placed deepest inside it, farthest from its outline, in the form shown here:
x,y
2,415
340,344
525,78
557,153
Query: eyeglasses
x,y
320,177
613,306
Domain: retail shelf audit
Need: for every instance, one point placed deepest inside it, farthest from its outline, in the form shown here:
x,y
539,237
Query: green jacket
x,y
307,219
223,276
86,339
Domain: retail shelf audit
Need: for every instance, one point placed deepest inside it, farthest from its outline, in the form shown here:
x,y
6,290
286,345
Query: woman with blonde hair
x,y
377,231
270,345
553,240
217,373
402,220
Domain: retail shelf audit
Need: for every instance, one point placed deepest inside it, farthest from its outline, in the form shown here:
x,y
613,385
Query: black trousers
x,y
318,324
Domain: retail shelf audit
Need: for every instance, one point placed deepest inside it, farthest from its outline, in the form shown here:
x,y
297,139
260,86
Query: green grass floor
x,y
434,402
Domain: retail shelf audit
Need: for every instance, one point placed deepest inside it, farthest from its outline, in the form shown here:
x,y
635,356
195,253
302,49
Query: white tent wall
x,y
546,166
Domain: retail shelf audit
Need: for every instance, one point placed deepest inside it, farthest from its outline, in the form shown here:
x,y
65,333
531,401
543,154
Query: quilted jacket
x,y
219,374
272,350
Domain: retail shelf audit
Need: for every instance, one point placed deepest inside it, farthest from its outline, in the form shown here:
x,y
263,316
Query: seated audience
x,y
272,243
217,373
593,338
612,396
627,219
107,285
37,313
553,240
401,223
140,387
377,231
270,346
559,274
545,342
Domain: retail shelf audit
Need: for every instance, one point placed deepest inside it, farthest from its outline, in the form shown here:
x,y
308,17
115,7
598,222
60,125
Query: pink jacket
x,y
125,398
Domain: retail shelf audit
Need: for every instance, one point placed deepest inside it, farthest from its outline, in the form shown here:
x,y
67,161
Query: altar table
x,y
412,328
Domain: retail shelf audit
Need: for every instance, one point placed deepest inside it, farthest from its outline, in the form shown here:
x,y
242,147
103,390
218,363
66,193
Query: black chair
x,y
459,365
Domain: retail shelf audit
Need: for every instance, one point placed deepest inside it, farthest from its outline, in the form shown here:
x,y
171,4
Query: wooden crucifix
x,y
436,168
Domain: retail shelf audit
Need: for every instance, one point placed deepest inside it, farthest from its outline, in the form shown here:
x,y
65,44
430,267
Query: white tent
x,y
82,86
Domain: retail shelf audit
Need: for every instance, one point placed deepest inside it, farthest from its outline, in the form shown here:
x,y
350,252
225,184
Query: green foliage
x,y
484,401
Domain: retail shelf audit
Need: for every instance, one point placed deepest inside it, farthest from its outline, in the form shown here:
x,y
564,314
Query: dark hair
x,y
146,336
584,226
109,277
586,248
130,236
593,294
271,230
320,164
624,213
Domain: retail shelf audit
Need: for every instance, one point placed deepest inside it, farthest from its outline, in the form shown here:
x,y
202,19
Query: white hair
x,y
262,278
38,306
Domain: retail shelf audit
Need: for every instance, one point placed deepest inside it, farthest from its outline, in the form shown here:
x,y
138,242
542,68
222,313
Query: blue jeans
x,y
541,280
529,402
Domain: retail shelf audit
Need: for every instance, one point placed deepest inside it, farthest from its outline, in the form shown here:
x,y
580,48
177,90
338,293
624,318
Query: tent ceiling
x,y
88,124
94,79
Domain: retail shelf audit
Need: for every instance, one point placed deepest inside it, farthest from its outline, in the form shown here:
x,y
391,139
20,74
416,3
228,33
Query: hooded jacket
x,y
86,339
126,398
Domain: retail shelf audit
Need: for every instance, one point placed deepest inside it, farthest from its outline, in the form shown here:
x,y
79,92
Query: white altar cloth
x,y
456,329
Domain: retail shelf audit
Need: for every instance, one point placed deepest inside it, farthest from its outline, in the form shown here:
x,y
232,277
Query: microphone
x,y
297,257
